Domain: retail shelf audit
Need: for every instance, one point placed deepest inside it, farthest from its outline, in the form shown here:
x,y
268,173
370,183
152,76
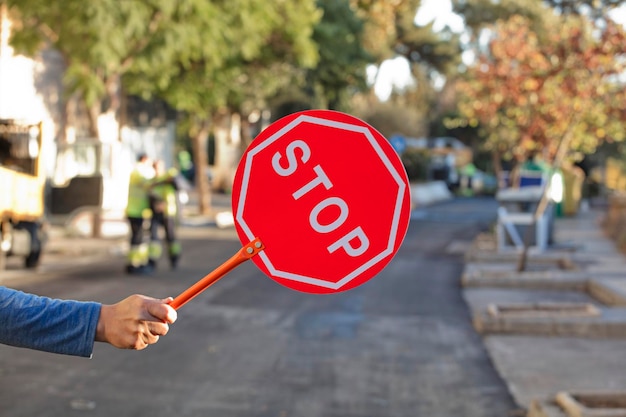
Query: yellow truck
x,y
22,181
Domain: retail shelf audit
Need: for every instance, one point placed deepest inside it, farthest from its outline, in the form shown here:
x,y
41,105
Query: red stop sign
x,y
328,197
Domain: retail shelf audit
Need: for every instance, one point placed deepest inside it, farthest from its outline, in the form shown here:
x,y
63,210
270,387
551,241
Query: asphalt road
x,y
400,345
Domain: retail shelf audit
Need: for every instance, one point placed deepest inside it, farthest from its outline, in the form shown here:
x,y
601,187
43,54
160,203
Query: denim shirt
x,y
58,326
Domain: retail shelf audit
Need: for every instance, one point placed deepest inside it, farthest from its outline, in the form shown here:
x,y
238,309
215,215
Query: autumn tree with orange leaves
x,y
529,88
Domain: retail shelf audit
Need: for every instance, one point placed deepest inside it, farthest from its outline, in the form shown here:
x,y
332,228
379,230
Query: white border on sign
x,y
394,223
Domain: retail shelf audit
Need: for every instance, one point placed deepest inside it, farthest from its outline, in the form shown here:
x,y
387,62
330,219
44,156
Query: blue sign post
x,y
398,143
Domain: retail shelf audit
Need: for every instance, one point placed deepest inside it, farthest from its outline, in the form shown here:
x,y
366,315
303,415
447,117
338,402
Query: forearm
x,y
41,323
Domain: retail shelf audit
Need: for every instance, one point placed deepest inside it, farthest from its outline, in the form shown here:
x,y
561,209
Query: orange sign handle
x,y
245,253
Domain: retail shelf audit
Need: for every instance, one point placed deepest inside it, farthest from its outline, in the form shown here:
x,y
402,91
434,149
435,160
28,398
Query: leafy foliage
x,y
343,58
478,13
528,89
198,54
239,52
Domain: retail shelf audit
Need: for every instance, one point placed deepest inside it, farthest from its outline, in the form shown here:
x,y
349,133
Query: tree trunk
x,y
496,159
67,128
246,135
93,112
544,202
227,133
200,160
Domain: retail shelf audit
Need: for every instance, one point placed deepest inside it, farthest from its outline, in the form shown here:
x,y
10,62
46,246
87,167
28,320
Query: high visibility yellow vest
x,y
138,199
166,191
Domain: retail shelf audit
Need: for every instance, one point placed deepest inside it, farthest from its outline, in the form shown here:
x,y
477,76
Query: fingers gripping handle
x,y
245,253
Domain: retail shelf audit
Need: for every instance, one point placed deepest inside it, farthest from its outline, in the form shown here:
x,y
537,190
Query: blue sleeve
x,y
58,326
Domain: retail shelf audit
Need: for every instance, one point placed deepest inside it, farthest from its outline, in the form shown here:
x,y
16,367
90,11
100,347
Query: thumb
x,y
161,310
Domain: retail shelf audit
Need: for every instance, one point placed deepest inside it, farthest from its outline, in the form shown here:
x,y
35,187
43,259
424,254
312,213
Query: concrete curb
x,y
581,403
505,275
486,288
425,194
544,280
609,291
541,353
536,369
608,323
557,258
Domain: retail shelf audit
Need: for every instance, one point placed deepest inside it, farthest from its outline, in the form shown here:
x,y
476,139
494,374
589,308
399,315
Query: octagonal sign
x,y
328,197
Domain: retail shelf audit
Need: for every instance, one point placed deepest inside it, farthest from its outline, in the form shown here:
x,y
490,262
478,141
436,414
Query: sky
x,y
395,72
439,11
619,14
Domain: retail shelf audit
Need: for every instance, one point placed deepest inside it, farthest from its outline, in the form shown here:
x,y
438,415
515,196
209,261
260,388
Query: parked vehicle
x,y
22,182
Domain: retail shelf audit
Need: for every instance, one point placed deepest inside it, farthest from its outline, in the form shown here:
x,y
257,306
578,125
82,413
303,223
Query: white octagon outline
x,y
394,223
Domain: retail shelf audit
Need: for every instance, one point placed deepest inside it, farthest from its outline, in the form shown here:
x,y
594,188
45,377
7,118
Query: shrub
x,y
416,164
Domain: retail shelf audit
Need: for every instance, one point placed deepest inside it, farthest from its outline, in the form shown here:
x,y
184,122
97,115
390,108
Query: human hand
x,y
135,322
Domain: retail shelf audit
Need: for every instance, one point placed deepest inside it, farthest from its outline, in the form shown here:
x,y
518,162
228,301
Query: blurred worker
x,y
138,211
533,171
71,327
467,184
185,163
164,205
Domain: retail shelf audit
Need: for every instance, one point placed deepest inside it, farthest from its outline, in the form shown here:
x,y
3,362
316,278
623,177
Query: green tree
x,y
204,58
434,58
479,13
241,55
99,43
342,57
379,30
391,32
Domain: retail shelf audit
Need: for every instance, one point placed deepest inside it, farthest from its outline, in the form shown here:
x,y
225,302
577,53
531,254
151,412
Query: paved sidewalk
x,y
557,331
